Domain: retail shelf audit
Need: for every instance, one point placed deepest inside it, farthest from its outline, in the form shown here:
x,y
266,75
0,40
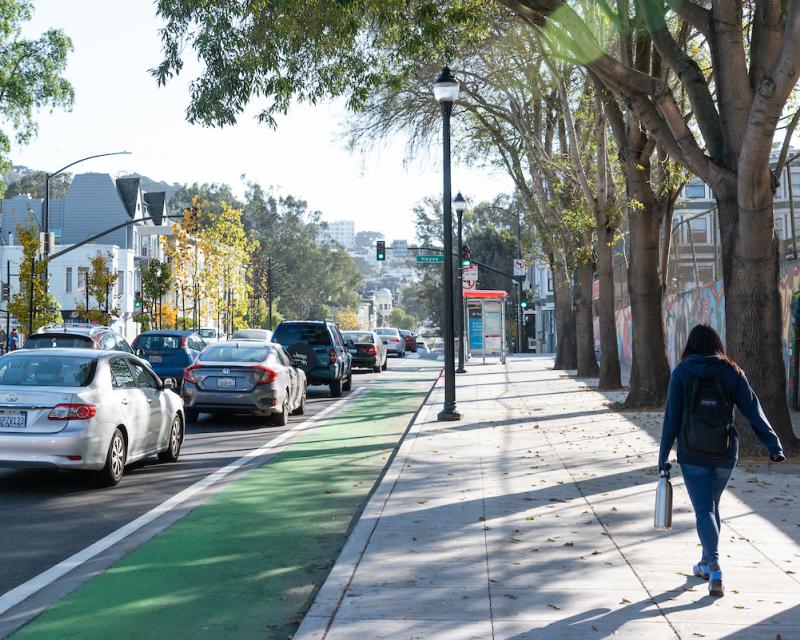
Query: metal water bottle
x,y
663,516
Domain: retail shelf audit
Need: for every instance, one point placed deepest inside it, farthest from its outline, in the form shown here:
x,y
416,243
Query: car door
x,y
344,355
132,402
149,385
291,373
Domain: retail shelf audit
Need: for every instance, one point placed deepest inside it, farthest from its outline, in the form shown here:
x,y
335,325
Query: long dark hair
x,y
704,341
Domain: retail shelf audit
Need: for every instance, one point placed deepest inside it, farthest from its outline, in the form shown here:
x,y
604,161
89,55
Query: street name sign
x,y
430,259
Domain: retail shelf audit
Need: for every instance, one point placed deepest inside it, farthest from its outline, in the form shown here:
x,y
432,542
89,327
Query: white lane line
x,y
24,591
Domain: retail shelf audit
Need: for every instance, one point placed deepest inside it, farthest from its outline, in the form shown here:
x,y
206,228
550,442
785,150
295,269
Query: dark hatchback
x,y
169,352
367,349
317,347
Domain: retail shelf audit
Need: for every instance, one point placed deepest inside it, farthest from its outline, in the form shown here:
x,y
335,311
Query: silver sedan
x,y
244,376
85,409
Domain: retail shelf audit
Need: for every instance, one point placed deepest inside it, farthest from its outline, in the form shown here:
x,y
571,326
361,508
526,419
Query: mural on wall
x,y
706,305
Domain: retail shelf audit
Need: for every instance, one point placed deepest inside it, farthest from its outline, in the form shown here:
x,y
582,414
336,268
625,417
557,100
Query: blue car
x,y
169,352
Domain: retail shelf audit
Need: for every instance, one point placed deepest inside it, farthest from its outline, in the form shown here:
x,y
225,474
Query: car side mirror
x,y
139,352
169,384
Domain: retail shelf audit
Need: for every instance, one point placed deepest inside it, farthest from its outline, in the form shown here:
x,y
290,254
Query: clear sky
x,y
119,107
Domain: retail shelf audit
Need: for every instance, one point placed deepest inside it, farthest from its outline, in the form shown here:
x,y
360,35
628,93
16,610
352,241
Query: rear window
x,y
43,371
386,332
358,337
232,353
158,343
313,334
50,340
208,333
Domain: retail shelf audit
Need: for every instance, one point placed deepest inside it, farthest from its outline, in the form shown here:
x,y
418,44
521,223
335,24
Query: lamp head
x,y
445,89
459,203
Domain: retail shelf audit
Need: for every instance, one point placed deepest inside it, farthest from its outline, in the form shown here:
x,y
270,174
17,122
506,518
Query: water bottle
x,y
663,516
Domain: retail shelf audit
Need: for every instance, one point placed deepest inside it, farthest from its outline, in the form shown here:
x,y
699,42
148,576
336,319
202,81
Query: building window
x,y
145,246
68,281
549,281
83,277
699,230
120,283
695,190
56,231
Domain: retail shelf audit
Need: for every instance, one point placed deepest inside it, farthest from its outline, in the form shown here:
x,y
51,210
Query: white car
x,y
210,335
395,343
85,409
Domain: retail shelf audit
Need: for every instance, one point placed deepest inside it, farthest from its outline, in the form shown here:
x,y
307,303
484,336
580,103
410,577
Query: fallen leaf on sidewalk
x,y
624,601
569,544
510,595
553,606
739,606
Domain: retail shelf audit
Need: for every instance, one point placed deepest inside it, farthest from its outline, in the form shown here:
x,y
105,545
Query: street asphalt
x,y
269,536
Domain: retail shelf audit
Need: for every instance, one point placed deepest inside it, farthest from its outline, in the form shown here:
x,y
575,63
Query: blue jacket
x,y
738,388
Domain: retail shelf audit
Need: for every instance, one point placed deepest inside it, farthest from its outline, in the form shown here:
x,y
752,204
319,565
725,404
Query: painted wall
x,y
707,305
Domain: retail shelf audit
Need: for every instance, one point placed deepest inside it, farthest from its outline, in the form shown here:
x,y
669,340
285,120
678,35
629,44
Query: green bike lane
x,y
247,563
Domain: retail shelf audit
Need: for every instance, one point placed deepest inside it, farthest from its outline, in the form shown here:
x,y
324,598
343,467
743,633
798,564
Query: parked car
x,y
411,340
422,345
244,376
367,349
85,409
395,343
210,335
169,352
77,336
318,347
264,335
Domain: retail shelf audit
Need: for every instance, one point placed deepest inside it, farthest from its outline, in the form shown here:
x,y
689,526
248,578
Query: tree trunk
x,y
610,377
584,325
650,367
753,316
566,344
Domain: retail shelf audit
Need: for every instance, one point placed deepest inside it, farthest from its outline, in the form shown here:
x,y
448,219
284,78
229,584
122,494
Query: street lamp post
x,y
460,206
46,214
445,89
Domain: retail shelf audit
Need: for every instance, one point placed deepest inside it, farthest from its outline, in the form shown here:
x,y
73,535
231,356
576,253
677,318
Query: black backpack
x,y
707,419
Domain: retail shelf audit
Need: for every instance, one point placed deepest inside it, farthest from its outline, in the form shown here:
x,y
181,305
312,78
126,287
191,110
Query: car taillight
x,y
184,341
333,356
395,339
267,375
73,412
187,373
372,351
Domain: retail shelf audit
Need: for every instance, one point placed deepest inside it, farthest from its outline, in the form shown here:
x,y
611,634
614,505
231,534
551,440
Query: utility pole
x,y
269,290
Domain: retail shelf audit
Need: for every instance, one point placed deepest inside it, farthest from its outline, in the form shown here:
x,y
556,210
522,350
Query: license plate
x,y
155,357
353,350
13,419
226,383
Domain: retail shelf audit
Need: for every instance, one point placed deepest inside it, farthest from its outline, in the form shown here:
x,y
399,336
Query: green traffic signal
x,y
466,263
524,304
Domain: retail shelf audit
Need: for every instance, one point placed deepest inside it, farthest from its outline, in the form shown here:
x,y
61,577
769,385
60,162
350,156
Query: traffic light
x,y
466,255
524,304
380,250
137,304
6,291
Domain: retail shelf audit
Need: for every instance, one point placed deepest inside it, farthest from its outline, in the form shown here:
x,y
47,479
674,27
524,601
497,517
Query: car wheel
x,y
348,383
173,450
301,408
377,368
192,415
386,362
336,388
111,474
280,419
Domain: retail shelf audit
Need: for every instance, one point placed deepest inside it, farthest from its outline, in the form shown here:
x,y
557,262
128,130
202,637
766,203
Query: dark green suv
x,y
317,347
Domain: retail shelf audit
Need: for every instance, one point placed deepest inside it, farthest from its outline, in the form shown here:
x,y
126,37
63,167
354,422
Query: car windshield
x,y
208,333
155,342
313,334
226,352
358,337
386,332
251,334
47,371
50,340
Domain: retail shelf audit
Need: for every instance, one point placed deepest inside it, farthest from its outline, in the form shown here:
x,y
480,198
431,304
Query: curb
x,y
326,604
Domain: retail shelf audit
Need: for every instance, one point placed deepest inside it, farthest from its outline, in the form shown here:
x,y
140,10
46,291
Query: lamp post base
x,y
461,370
448,414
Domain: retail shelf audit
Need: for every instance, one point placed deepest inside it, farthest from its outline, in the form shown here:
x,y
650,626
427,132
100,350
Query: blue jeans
x,y
705,486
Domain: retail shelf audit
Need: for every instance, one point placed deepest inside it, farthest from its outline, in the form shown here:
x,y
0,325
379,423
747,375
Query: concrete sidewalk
x,y
532,518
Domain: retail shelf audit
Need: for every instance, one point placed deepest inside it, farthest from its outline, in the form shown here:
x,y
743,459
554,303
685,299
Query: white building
x,y
94,202
382,306
342,232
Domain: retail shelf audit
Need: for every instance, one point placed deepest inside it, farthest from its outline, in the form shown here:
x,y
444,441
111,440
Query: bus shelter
x,y
485,322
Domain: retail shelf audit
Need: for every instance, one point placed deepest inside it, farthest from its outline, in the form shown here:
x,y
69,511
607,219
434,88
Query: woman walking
x,y
703,390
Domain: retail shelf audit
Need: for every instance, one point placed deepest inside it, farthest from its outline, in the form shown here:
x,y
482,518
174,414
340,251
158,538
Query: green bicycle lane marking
x,y
245,564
